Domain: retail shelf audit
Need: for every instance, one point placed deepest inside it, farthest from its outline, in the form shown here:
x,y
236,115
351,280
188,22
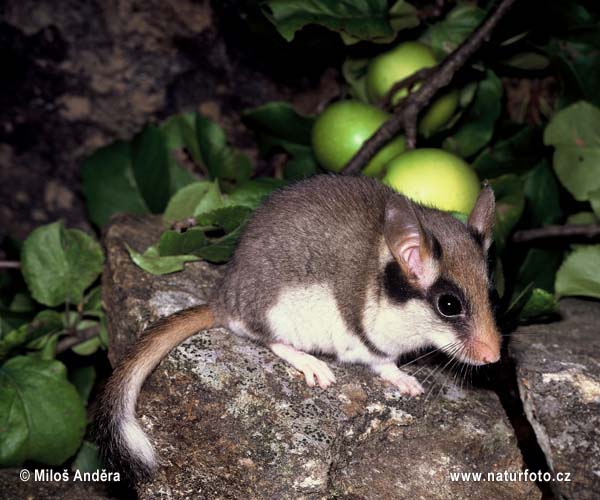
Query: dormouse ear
x,y
408,241
481,219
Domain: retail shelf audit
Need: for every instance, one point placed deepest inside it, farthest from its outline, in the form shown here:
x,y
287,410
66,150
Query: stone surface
x,y
12,488
230,420
558,372
134,299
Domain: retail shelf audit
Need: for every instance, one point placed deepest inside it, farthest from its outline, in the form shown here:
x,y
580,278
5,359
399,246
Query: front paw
x,y
406,384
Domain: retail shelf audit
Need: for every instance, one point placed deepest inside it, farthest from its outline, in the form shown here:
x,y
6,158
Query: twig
x,y
407,112
409,82
77,337
584,232
10,264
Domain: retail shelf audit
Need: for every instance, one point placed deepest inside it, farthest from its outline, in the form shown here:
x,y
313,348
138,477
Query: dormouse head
x,y
443,264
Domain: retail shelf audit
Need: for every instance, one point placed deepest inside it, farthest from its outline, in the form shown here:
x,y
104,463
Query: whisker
x,y
428,376
449,347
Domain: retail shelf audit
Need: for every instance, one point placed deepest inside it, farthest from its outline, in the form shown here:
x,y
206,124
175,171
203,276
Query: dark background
x,y
78,75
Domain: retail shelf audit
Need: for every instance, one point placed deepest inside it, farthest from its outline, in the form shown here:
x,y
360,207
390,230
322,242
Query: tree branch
x,y
10,264
590,233
407,112
409,82
78,337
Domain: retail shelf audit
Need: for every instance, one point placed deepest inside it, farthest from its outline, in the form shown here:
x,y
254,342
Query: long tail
x,y
122,441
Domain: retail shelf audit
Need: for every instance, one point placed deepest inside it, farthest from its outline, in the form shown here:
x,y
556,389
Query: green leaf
x,y
582,218
302,165
186,243
109,185
221,249
518,301
47,349
595,202
539,268
540,304
498,278
354,72
83,379
578,63
510,203
211,200
221,161
87,459
542,195
476,126
516,154
192,200
528,61
228,218
211,141
42,417
13,339
179,133
151,168
103,336
21,303
355,20
92,302
44,331
403,16
10,321
573,132
58,264
279,124
446,35
578,274
151,261
251,193
91,345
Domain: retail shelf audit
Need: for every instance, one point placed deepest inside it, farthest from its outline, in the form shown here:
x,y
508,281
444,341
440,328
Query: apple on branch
x,y
343,127
399,63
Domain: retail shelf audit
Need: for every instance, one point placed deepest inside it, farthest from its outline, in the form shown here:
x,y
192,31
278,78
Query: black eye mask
x,y
449,303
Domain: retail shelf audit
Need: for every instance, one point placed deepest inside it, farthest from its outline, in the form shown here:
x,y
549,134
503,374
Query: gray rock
x,y
13,487
230,420
134,298
558,372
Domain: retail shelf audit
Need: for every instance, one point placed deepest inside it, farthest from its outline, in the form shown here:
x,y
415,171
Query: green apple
x,y
434,178
342,128
395,65
438,113
399,63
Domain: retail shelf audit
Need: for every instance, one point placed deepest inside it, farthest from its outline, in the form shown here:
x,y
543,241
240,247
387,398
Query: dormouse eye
x,y
449,305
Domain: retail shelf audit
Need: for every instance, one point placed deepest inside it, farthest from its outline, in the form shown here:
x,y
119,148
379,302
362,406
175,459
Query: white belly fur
x,y
308,318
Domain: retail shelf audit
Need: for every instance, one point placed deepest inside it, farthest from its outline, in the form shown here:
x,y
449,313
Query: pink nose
x,y
487,354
